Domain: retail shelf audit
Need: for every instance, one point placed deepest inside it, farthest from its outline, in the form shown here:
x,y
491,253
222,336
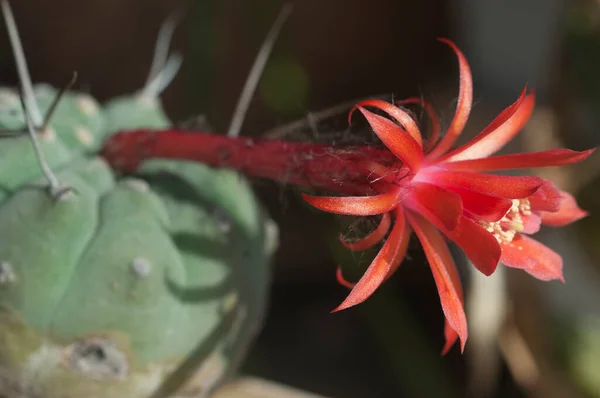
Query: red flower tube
x,y
415,185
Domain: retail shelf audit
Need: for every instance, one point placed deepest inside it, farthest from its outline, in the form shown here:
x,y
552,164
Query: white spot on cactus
x,y
137,185
97,358
48,134
84,135
141,267
86,104
7,273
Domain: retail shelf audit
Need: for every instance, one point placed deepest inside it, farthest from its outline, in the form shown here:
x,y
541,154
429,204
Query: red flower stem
x,y
336,169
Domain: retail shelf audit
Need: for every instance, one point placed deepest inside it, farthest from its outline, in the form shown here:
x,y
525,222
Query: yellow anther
x,y
508,226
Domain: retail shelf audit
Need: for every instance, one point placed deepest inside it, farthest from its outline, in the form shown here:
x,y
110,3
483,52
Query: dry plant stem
x,y
162,80
164,68
55,186
161,49
31,110
255,73
313,118
56,101
22,70
47,116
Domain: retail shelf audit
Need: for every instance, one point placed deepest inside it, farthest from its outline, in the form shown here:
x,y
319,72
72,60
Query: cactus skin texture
x,y
145,286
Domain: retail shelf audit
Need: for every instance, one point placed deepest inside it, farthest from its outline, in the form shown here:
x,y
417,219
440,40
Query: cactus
x,y
146,286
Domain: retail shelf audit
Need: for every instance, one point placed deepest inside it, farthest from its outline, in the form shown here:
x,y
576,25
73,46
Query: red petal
x,y
463,107
403,246
450,335
479,245
533,257
356,205
433,117
395,263
509,187
379,268
399,142
401,117
370,240
554,157
568,212
485,207
464,152
547,198
445,275
435,203
498,133
531,223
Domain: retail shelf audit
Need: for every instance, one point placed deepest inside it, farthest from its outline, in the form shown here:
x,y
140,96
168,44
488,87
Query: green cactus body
x,y
78,118
148,286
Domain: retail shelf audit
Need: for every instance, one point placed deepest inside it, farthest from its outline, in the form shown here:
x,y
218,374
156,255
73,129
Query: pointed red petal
x,y
533,257
370,240
435,203
444,273
509,187
463,107
464,152
568,212
433,117
401,117
485,207
356,205
479,245
403,246
450,335
379,268
399,142
554,157
498,133
547,198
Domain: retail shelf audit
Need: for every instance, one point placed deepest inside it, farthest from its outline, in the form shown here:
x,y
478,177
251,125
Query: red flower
x,y
415,186
428,190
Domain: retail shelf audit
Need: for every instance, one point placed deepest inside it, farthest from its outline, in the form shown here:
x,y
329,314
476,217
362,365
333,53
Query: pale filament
x,y
507,227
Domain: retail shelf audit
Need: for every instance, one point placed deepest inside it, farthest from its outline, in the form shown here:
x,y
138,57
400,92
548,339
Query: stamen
x,y
507,227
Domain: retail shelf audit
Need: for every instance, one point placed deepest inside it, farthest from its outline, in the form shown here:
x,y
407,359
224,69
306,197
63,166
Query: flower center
x,y
505,229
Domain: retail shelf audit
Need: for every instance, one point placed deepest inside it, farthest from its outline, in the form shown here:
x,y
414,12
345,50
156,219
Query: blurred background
x,y
527,338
